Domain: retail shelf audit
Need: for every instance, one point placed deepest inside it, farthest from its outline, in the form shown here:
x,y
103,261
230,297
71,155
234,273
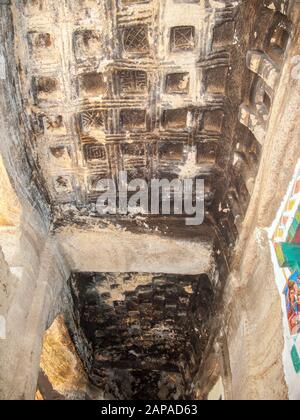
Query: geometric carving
x,y
182,38
135,39
92,121
127,109
178,83
94,152
133,119
175,118
92,84
171,151
213,121
133,81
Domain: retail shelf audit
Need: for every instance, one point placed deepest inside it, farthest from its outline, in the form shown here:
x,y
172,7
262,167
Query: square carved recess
x,y
60,156
46,89
94,152
86,44
183,38
91,84
175,119
132,82
207,153
133,119
92,122
215,80
136,39
213,121
133,150
172,151
39,40
178,83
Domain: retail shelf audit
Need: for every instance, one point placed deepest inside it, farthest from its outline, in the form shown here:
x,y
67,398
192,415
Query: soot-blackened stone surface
x,y
155,92
148,332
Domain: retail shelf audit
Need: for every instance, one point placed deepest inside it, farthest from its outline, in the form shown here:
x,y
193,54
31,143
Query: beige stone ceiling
x,y
144,92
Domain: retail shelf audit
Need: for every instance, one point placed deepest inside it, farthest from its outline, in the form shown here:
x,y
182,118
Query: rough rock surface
x,y
182,88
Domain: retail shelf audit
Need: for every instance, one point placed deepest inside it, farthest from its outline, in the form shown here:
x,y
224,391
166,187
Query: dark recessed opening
x,y
280,39
147,332
267,102
171,152
133,119
46,84
175,118
178,83
92,83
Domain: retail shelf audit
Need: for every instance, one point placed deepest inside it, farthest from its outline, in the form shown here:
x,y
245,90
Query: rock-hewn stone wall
x,y
252,317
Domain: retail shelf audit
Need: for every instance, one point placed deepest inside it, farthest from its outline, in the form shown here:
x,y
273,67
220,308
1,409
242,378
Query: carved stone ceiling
x,y
147,332
149,87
